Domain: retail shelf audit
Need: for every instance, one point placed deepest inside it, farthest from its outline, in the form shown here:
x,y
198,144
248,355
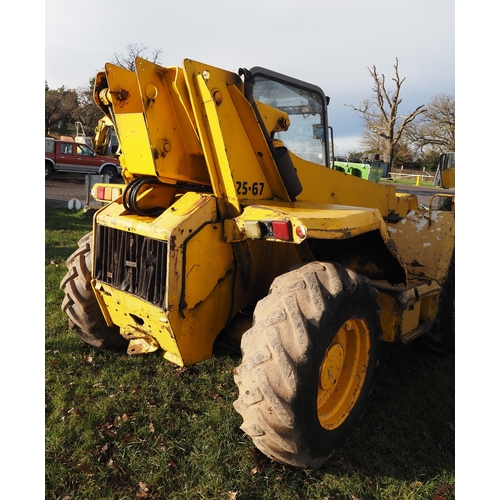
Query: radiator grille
x,y
132,263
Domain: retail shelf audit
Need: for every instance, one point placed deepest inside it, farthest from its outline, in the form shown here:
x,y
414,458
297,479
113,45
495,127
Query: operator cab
x,y
306,106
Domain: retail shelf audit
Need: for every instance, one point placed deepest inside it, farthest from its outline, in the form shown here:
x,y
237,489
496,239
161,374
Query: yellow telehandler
x,y
230,221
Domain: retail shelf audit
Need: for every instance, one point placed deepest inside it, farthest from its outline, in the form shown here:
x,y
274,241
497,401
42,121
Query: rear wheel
x,y
80,303
308,363
48,170
110,172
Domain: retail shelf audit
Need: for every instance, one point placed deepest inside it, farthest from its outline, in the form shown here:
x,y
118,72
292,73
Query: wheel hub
x,y
331,367
342,373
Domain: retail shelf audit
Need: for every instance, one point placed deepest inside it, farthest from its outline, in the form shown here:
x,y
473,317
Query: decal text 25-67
x,y
244,188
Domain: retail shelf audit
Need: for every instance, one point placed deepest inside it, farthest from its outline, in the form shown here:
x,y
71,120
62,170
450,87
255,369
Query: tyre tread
x,y
268,376
80,304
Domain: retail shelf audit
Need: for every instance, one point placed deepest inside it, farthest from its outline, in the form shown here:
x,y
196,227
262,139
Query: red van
x,y
68,156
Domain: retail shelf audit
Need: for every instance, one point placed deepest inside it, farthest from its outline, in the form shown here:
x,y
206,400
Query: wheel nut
x,y
348,326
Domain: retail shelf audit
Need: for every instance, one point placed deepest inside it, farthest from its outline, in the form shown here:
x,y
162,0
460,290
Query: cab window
x,y
66,149
307,132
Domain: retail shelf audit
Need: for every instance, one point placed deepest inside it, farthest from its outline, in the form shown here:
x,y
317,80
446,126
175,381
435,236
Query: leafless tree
x,y
372,143
435,128
380,113
134,50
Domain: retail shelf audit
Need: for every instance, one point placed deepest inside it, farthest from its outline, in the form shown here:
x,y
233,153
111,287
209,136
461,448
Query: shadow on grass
x,y
407,431
63,229
64,219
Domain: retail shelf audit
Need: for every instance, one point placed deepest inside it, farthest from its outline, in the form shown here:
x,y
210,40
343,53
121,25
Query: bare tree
x,y
372,143
134,50
435,128
380,113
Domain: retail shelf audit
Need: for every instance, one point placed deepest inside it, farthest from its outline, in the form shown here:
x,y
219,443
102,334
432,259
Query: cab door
x,y
66,157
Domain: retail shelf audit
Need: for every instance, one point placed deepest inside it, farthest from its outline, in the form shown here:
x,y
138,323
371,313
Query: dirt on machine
x,y
230,222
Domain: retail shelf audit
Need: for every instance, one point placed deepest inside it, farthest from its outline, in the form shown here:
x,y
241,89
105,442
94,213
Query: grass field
x,y
121,427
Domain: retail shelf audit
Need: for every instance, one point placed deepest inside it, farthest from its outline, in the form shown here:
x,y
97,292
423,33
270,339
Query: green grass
x,y
121,427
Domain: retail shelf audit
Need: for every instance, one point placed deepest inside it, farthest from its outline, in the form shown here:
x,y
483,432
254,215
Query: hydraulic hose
x,y
131,192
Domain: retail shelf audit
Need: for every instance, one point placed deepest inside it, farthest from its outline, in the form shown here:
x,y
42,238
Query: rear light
x,y
281,230
275,229
106,193
301,232
252,229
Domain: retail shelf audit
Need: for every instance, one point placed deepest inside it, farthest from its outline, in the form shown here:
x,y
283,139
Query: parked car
x,y
70,156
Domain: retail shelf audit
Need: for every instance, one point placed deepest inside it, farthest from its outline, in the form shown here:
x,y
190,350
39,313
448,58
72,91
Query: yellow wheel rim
x,y
342,373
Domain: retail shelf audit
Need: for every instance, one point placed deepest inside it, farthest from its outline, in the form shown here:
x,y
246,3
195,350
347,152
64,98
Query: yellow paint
x,y
331,367
174,142
390,317
410,318
448,178
320,220
200,277
193,129
342,373
123,307
232,141
324,185
425,240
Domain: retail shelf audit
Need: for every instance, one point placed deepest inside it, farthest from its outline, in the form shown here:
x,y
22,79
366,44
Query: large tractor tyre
x,y
308,363
441,336
80,303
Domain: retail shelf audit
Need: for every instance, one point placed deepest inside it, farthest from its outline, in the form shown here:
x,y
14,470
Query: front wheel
x,y
308,363
80,303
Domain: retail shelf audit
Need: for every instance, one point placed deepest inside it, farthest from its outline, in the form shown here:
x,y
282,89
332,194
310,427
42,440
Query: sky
x,y
328,43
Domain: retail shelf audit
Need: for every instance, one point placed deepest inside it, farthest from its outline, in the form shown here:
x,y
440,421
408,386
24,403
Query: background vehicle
x,y
445,178
69,156
445,173
81,137
104,141
232,223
